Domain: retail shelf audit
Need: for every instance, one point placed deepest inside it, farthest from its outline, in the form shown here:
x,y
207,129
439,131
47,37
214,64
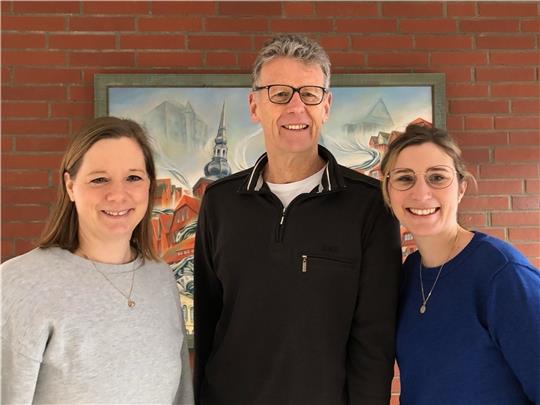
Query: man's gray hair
x,y
293,46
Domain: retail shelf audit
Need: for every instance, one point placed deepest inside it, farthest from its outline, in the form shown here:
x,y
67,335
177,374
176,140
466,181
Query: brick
x,y
25,213
48,7
508,9
235,8
260,40
78,41
505,42
6,74
335,42
495,232
380,42
6,7
25,178
220,59
476,155
80,93
33,58
25,245
489,25
478,106
526,106
27,23
515,90
171,59
459,58
7,245
21,229
170,24
347,9
240,24
461,9
15,41
398,59
177,41
71,109
102,23
7,143
428,26
25,75
528,249
456,73
530,25
517,122
412,9
28,110
471,138
525,138
349,58
366,25
34,93
492,187
472,220
532,186
183,7
454,123
524,234
108,59
29,195
301,25
478,122
467,90
297,9
504,74
515,153
515,218
219,42
519,58
443,42
246,59
525,202
40,126
509,171
116,7
469,203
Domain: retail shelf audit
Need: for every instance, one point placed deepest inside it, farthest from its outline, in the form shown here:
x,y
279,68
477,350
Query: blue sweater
x,y
478,343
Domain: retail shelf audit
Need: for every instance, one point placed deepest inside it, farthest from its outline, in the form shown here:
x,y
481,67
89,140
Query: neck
x,y
437,250
290,168
113,252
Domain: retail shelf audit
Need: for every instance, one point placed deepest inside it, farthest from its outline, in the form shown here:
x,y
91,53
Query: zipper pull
x,y
304,263
282,217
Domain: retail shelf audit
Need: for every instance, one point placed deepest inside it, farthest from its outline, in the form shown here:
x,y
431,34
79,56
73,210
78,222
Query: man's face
x,y
291,128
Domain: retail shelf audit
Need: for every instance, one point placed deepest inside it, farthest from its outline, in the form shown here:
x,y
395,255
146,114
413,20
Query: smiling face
x,y
110,190
424,210
292,128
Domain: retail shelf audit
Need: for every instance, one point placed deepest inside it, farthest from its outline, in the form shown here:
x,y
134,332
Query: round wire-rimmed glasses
x,y
282,93
437,177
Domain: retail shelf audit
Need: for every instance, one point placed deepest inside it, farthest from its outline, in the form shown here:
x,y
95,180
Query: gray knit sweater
x,y
68,336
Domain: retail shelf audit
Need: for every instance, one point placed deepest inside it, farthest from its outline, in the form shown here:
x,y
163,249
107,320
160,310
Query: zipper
x,y
304,263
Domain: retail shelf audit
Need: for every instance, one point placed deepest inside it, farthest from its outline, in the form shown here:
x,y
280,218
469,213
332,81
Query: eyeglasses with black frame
x,y
282,93
438,177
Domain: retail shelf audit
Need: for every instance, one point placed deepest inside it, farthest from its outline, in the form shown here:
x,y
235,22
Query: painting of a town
x,y
202,134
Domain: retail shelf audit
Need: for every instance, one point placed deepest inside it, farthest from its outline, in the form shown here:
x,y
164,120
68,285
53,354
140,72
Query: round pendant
x,y
422,308
131,303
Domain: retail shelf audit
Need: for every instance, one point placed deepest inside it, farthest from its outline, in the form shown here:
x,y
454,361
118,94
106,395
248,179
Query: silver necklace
x,y
130,301
423,306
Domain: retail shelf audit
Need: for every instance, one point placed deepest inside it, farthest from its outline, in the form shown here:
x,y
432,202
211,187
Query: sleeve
x,y
19,376
207,297
513,314
371,346
185,390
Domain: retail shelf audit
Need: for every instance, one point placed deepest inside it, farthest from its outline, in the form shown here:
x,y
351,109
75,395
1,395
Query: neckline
x,y
129,267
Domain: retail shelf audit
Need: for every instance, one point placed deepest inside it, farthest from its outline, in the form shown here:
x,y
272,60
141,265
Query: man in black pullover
x,y
297,259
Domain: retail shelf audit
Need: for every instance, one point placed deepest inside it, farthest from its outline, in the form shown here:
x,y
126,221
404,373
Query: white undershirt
x,y
288,191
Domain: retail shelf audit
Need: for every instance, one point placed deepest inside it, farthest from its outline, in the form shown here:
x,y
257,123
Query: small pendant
x,y
422,308
131,303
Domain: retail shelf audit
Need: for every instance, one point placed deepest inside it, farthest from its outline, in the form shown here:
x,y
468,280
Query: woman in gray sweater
x,y
92,315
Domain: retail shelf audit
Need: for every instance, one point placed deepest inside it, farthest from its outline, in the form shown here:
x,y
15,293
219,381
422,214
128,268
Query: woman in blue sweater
x,y
469,325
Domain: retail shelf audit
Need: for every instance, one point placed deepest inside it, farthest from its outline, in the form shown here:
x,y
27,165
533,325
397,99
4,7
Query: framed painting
x,y
189,116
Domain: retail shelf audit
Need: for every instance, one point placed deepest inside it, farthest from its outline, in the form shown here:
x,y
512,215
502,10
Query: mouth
x,y
422,212
295,127
116,213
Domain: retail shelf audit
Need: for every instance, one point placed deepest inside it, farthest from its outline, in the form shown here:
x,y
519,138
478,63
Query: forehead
x,y
291,71
113,152
421,157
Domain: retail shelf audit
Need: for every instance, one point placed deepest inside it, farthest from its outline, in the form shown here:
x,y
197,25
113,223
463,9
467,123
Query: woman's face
x,y
110,190
425,210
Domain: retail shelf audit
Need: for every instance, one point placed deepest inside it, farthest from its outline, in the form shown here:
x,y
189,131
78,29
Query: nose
x,y
421,190
116,191
296,103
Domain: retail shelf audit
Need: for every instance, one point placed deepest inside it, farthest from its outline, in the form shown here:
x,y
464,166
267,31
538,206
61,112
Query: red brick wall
x,y
488,51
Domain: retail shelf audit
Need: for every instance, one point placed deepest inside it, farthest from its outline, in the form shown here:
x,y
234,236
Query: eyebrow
x,y
96,172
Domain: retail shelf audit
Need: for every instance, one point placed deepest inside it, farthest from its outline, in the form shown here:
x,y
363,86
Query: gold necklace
x,y
423,306
130,301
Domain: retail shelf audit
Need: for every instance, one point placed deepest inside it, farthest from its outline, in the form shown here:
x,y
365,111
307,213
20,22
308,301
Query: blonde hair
x,y
62,227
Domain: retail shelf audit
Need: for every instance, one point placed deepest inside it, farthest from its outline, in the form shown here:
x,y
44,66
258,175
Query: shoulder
x,y
355,178
234,180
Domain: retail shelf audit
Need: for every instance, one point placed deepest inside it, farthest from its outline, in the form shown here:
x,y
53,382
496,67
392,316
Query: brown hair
x,y
418,135
63,225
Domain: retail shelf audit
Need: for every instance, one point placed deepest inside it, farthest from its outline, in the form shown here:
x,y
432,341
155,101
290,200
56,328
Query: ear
x,y
253,107
69,186
461,190
326,107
